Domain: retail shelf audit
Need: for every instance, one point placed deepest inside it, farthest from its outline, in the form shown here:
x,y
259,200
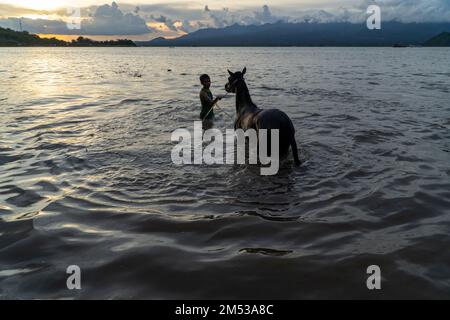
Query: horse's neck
x,y
244,102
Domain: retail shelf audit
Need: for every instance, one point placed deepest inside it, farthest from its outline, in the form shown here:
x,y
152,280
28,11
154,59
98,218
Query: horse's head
x,y
234,80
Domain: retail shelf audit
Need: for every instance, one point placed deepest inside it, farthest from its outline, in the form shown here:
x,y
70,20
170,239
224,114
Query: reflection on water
x,y
87,179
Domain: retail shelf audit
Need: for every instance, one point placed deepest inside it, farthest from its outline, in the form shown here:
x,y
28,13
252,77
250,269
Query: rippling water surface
x,y
86,177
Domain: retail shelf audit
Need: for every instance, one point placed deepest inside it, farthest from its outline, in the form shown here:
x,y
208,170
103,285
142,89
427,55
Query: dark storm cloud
x,y
413,10
189,19
110,20
102,20
226,17
35,25
178,17
166,21
391,10
176,11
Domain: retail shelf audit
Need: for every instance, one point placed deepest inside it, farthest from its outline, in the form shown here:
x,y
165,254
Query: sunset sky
x,y
144,19
53,4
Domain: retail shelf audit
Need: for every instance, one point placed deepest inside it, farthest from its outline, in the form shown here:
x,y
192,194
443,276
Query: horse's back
x,y
275,119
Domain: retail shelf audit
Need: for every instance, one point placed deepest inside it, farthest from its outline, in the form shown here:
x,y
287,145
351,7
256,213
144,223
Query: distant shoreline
x,y
15,39
78,46
11,38
224,46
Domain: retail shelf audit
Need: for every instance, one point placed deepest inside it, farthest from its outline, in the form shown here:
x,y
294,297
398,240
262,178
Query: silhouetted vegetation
x,y
441,40
86,42
11,38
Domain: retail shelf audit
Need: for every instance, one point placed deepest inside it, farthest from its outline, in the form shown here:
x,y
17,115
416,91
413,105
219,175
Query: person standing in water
x,y
208,102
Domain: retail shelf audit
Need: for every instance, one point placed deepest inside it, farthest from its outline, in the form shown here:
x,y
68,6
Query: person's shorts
x,y
208,124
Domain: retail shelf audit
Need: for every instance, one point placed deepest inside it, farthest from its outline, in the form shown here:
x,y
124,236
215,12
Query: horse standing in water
x,y
248,115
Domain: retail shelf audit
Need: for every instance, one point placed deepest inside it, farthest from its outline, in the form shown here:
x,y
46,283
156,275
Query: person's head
x,y
205,80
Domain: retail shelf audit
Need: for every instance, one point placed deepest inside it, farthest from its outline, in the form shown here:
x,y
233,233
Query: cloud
x,y
176,11
226,17
217,19
7,10
169,23
413,10
110,20
177,26
106,20
352,11
391,10
265,16
176,18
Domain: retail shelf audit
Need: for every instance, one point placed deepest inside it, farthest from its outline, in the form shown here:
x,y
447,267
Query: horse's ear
x,y
231,73
244,71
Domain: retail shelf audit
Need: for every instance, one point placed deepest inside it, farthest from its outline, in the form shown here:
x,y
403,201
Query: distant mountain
x,y
308,34
441,40
11,38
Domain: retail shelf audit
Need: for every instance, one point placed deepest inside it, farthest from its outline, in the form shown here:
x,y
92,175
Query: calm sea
x,y
86,176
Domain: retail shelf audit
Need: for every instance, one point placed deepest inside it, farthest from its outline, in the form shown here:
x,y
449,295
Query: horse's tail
x,y
295,152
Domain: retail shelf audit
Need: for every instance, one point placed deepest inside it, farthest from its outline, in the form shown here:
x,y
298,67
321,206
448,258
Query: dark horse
x,y
248,115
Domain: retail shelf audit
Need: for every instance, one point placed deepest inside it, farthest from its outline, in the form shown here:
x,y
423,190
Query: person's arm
x,y
207,101
218,98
